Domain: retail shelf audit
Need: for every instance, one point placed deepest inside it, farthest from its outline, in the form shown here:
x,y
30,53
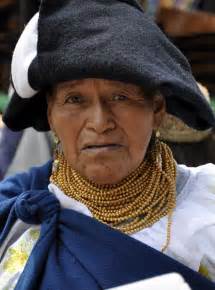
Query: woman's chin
x,y
102,176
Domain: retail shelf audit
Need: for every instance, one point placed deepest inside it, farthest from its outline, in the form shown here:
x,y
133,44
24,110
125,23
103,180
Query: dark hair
x,y
150,92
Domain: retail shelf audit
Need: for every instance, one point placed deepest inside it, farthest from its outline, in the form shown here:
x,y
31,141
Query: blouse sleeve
x,y
205,237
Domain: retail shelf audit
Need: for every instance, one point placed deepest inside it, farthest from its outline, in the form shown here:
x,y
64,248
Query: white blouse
x,y
192,234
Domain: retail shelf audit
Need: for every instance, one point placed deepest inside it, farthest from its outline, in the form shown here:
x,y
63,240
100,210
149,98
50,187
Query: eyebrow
x,y
76,84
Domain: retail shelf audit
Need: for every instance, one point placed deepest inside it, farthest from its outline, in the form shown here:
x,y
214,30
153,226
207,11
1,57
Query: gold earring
x,y
157,149
56,139
157,134
56,152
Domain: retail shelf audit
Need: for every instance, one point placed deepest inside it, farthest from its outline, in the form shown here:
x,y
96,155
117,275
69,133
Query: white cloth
x,y
167,282
192,235
14,254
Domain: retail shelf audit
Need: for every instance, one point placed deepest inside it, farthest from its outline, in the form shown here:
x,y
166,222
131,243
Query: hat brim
x,y
23,113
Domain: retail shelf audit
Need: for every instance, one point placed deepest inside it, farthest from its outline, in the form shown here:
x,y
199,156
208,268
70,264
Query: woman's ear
x,y
159,108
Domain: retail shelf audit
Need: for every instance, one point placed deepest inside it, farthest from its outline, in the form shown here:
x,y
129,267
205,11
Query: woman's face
x,y
104,126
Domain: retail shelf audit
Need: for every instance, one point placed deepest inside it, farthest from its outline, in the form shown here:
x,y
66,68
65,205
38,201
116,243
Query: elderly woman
x,y
113,206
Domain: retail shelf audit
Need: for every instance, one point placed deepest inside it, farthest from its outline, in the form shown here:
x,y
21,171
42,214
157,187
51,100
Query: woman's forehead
x,y
98,84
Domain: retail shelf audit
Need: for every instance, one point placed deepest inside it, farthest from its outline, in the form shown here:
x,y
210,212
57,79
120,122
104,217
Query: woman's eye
x,y
119,98
74,99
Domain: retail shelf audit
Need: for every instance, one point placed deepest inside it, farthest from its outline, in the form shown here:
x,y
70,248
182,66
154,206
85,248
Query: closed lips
x,y
94,146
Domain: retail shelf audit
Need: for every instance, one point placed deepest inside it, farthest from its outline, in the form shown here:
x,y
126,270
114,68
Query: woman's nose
x,y
101,119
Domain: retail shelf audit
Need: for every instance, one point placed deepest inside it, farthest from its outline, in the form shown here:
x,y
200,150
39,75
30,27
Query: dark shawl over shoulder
x,y
74,250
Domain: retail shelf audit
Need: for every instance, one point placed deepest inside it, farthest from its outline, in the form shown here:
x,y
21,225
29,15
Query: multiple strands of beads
x,y
137,202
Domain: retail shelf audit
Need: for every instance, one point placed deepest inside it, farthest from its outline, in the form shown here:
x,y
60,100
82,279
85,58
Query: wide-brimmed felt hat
x,y
107,39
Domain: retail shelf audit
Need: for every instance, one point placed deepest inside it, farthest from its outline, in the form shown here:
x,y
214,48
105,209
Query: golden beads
x,y
137,202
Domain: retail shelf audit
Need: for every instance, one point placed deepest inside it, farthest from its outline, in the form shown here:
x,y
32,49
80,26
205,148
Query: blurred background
x,y
189,24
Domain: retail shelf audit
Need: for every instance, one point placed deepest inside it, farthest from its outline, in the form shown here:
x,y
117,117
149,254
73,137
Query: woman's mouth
x,y
102,147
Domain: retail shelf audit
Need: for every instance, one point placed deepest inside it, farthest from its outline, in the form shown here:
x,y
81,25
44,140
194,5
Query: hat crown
x,y
52,5
108,39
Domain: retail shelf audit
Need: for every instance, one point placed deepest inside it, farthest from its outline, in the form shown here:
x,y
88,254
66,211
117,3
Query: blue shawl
x,y
75,251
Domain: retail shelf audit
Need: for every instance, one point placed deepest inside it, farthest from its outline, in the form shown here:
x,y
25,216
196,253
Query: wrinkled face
x,y
104,126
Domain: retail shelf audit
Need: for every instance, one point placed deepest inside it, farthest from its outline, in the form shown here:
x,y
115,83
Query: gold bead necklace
x,y
137,202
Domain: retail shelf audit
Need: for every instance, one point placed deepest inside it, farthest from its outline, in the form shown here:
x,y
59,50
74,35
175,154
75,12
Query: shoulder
x,y
199,184
35,178
203,175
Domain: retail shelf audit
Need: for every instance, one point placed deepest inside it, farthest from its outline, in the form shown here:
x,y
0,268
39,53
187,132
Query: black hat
x,y
108,39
